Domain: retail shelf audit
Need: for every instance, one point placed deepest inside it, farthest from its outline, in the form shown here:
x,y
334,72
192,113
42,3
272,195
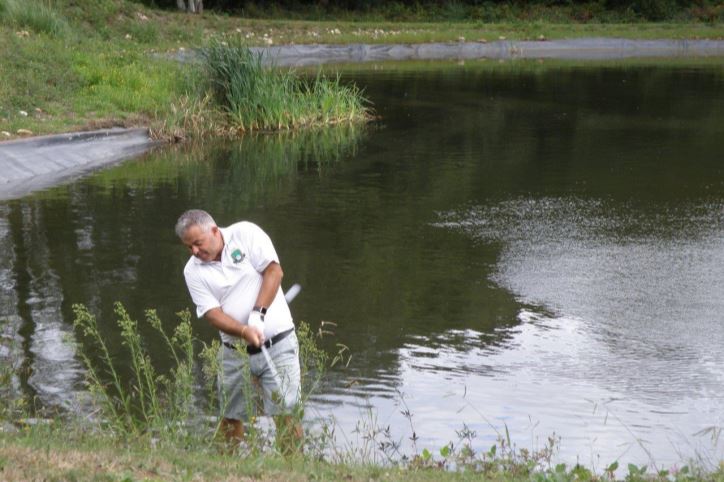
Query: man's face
x,y
205,245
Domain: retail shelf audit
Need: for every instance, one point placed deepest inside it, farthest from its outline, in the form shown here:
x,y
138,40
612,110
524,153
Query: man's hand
x,y
254,333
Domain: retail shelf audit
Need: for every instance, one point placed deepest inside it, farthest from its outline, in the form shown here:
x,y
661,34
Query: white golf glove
x,y
256,320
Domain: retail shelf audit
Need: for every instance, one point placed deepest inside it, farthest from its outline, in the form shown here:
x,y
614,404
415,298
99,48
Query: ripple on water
x,y
635,296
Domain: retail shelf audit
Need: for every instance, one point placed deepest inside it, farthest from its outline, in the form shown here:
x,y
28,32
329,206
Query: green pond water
x,y
535,246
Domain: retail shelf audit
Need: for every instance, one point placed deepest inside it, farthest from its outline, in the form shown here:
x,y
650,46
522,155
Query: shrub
x,y
708,13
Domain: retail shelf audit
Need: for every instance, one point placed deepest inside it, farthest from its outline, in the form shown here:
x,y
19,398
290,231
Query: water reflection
x,y
43,346
648,284
10,323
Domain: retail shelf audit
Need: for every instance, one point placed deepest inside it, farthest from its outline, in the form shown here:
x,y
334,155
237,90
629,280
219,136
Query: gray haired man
x,y
234,278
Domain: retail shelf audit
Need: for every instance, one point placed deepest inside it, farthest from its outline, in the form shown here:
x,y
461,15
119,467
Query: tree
x,y
191,6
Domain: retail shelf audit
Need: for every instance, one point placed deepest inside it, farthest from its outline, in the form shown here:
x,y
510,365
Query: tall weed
x,y
149,401
143,32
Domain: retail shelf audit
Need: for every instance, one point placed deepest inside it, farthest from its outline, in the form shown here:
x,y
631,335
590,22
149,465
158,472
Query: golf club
x,y
289,296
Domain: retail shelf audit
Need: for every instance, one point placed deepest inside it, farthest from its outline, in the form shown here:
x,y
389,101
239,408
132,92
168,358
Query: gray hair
x,y
194,217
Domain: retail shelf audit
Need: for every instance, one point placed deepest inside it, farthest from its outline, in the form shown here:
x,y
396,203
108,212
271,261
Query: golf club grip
x,y
292,292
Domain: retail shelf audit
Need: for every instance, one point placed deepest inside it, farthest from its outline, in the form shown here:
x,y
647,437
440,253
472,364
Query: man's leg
x,y
283,402
232,401
232,431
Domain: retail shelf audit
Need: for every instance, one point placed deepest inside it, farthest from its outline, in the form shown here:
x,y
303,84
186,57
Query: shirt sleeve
x,y
200,294
259,247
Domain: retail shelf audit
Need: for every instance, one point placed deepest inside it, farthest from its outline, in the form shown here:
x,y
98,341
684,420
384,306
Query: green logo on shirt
x,y
237,256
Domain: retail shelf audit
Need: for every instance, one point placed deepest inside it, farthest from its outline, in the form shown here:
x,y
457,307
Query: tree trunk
x,y
193,6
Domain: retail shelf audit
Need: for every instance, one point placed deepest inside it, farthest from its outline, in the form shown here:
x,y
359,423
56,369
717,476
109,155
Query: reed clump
x,y
190,116
259,97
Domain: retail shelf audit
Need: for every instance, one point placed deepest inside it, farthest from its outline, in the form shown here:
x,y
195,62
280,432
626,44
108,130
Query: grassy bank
x,y
57,453
69,66
65,70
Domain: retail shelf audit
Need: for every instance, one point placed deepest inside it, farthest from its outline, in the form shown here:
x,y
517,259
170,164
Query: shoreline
x,y
35,163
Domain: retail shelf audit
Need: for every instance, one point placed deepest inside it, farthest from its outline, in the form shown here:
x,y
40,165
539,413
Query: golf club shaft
x,y
272,368
288,296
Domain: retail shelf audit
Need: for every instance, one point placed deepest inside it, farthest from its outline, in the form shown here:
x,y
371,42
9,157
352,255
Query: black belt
x,y
252,350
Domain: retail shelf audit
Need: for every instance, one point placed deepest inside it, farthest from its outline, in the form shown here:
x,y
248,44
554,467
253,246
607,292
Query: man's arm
x,y
271,280
223,322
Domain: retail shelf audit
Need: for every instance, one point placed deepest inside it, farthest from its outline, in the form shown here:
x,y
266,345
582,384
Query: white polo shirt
x,y
233,283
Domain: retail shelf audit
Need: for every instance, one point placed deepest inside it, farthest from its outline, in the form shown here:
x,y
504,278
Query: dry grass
x,y
24,463
21,463
95,459
189,117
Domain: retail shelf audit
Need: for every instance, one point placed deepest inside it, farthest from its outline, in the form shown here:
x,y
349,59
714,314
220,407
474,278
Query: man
x,y
234,278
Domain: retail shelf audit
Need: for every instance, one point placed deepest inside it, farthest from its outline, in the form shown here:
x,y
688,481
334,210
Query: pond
x,y
527,246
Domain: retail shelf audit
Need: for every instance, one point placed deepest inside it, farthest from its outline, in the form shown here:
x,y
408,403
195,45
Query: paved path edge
x,y
32,164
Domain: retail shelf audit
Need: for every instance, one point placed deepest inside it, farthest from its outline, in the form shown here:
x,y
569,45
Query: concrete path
x,y
574,49
30,164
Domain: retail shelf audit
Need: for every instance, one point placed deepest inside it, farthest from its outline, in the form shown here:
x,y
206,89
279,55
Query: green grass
x,y
33,15
66,451
99,70
70,84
